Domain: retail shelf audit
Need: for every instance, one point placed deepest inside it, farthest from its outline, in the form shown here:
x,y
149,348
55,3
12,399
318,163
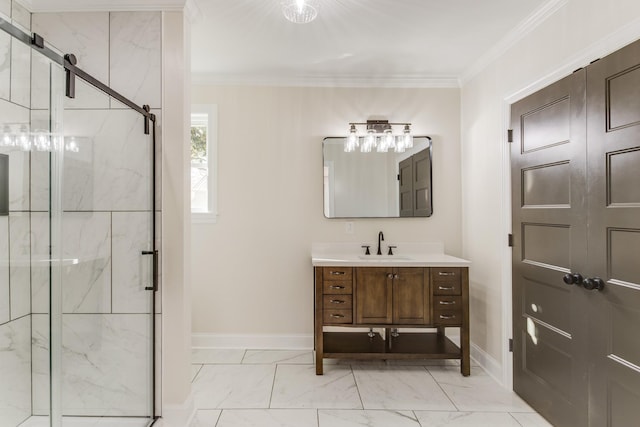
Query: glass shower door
x,y
104,295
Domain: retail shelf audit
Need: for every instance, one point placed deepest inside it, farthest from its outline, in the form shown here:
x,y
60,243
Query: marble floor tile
x,y
268,418
233,386
400,387
298,386
477,392
216,356
530,419
290,357
368,418
194,371
206,418
88,422
466,419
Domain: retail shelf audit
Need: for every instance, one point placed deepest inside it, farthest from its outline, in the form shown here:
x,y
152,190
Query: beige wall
x,y
176,283
580,31
251,271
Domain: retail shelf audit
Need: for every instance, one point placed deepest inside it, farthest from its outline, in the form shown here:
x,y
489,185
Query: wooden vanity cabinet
x,y
391,297
396,295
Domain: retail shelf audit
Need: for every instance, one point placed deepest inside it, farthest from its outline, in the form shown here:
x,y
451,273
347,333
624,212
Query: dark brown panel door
x,y
548,161
422,205
613,138
405,171
374,287
411,296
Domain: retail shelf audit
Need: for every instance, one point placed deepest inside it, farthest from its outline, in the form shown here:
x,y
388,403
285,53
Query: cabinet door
x,y
411,305
374,295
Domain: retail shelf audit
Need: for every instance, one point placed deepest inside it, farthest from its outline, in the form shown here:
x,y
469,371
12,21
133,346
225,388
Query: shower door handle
x,y
155,270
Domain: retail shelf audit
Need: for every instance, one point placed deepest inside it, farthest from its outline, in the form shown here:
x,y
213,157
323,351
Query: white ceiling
x,y
352,42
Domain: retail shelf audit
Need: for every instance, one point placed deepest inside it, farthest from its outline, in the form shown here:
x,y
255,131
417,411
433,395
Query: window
x,y
203,163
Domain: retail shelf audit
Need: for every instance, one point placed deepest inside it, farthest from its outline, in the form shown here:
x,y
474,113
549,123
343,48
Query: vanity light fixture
x,y
379,135
300,11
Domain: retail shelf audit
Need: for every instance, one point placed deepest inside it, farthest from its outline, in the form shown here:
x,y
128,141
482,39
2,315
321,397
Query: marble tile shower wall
x,y
15,304
106,221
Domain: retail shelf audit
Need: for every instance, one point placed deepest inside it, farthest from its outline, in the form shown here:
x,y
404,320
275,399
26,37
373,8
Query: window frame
x,y
211,215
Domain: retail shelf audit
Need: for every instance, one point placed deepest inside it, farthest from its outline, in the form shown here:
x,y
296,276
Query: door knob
x,y
573,279
593,283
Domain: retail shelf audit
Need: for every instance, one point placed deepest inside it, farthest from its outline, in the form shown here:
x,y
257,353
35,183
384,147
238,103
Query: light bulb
x,y
407,137
352,140
369,141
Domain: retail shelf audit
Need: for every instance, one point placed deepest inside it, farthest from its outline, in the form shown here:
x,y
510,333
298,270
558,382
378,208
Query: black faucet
x,y
380,238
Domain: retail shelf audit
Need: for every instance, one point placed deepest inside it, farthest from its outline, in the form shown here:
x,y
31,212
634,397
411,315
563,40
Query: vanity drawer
x,y
447,317
337,287
337,273
446,274
447,288
447,303
338,302
336,317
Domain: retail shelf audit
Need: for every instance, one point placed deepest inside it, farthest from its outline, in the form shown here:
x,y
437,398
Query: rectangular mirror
x,y
377,185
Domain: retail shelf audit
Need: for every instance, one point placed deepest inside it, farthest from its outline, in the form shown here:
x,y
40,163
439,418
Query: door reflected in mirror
x,y
377,185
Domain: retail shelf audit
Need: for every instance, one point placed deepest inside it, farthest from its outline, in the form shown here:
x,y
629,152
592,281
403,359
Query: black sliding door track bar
x,y
68,63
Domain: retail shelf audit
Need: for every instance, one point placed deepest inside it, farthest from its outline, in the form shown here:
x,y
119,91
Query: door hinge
x,y
511,345
509,135
510,240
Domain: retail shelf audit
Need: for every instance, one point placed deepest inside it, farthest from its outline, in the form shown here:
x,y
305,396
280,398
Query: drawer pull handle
x,y
447,316
337,273
441,273
447,302
337,301
337,316
336,287
446,288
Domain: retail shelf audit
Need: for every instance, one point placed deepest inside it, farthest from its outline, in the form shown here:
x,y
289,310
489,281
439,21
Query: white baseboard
x,y
178,415
488,363
253,341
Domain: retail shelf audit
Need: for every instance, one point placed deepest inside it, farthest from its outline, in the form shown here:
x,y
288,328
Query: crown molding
x,y
514,36
398,81
102,5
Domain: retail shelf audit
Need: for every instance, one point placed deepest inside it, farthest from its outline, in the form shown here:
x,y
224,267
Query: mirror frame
x,y
329,174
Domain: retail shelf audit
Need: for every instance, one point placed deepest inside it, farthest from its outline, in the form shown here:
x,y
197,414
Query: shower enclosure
x,y
78,258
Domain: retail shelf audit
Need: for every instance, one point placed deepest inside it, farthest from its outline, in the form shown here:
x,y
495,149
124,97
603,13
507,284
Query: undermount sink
x,y
384,257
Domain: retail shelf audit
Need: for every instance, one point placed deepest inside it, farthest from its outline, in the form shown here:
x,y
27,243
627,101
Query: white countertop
x,y
405,255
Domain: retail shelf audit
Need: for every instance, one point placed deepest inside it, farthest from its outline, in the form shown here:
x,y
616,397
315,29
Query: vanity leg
x,y
318,364
318,330
465,361
465,347
440,331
